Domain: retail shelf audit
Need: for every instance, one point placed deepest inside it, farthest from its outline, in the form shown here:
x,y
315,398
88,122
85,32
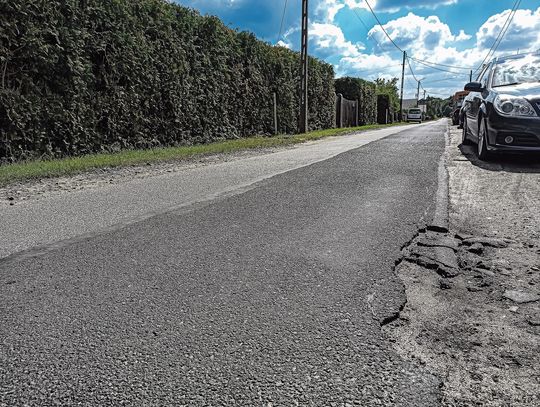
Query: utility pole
x,y
418,94
470,76
402,80
303,125
424,95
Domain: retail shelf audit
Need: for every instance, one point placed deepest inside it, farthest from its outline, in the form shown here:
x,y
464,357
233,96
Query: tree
x,y
389,87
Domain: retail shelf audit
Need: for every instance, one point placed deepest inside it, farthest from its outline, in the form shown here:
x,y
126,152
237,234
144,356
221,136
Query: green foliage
x,y
363,91
389,87
437,107
87,76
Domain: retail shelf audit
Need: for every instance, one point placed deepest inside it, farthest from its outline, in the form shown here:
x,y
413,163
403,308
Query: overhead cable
x,y
382,28
423,61
501,34
282,20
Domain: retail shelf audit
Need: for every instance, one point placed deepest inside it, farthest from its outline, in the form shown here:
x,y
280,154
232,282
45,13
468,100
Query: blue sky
x,y
345,33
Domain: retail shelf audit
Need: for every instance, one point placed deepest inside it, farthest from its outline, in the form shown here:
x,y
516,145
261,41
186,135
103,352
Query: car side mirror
x,y
474,87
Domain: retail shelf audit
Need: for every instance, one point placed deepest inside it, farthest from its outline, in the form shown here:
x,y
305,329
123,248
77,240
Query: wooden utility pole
x,y
303,125
418,94
470,76
402,80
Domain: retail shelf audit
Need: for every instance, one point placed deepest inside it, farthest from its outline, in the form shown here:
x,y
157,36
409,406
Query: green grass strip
x,y
37,169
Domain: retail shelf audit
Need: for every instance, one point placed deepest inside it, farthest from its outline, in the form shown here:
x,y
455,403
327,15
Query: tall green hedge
x,y
82,76
363,91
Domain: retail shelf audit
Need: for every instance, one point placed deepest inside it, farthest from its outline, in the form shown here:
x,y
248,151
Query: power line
x,y
433,67
437,64
410,69
507,27
409,82
445,79
366,27
282,20
438,94
501,33
424,62
382,28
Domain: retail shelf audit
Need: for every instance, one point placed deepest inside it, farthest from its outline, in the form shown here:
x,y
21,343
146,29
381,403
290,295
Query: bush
x,y
83,76
385,110
363,91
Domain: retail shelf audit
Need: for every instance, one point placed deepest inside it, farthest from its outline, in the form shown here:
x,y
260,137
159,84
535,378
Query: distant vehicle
x,y
457,102
414,115
504,112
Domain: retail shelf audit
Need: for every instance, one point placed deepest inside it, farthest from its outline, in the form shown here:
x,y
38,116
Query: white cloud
x,y
360,4
369,66
396,5
462,36
284,44
413,32
326,10
329,40
425,38
523,34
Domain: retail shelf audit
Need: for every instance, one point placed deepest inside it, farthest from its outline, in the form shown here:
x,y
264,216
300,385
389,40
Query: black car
x,y
504,112
466,104
455,116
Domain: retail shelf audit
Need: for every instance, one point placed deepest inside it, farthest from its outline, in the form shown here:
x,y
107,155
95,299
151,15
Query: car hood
x,y
524,90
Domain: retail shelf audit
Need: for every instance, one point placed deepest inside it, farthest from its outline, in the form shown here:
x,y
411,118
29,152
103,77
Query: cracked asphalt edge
x,y
446,323
440,222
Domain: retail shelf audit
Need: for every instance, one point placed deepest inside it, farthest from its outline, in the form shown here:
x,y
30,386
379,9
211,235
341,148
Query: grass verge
x,y
28,170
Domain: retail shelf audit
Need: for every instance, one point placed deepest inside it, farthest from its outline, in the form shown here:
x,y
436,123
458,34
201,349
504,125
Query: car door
x,y
476,102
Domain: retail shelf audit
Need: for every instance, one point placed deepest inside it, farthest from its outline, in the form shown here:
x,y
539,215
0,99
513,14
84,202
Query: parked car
x,y
455,116
414,115
504,111
464,107
457,102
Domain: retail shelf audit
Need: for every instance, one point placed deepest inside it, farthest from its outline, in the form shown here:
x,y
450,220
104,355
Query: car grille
x,y
521,140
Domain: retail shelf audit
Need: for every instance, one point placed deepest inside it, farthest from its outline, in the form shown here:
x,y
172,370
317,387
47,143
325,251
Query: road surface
x,y
272,296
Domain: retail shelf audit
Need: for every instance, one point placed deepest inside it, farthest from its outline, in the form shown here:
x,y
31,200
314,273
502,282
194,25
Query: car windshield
x,y
414,111
525,69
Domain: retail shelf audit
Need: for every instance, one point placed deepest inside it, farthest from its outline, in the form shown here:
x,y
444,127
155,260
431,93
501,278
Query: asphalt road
x,y
271,297
54,218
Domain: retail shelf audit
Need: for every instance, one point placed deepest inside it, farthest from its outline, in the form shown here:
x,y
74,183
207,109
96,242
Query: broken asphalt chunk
x,y
476,248
432,239
521,297
487,241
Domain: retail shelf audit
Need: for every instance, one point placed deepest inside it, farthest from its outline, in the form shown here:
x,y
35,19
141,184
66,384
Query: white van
x,y
414,115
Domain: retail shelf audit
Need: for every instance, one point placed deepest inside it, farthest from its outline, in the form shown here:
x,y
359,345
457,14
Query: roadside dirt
x,y
473,293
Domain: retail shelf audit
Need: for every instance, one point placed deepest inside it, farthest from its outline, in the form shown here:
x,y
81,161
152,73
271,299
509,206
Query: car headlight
x,y
511,106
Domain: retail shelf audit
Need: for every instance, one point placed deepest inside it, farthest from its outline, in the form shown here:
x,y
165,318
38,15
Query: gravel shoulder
x,y
473,292
30,190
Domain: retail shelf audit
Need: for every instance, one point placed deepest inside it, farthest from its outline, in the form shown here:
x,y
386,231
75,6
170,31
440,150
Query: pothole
x,y
471,316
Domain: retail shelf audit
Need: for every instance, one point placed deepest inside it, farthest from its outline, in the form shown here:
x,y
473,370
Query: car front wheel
x,y
483,152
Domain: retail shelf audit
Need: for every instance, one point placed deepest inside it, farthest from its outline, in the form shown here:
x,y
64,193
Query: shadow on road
x,y
520,163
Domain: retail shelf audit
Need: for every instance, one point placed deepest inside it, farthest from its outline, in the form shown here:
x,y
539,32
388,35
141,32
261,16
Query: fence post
x,y
275,115
339,114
